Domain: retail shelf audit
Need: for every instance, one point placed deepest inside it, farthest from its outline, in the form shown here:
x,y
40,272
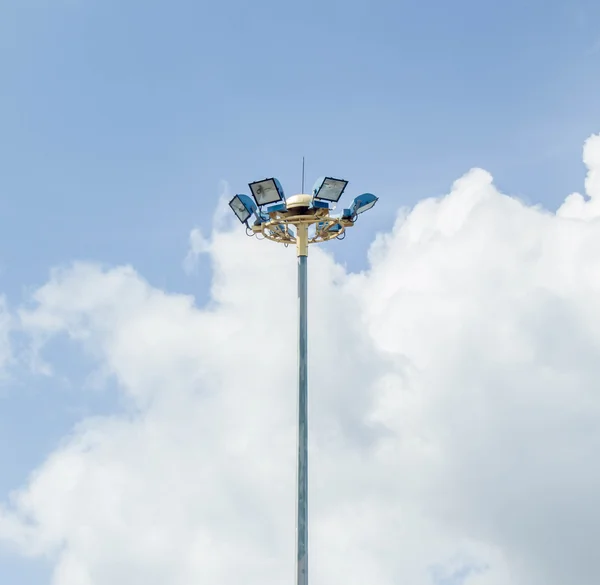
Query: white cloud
x,y
198,245
576,205
454,409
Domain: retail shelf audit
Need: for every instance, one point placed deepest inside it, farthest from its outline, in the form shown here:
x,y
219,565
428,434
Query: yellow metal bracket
x,y
300,217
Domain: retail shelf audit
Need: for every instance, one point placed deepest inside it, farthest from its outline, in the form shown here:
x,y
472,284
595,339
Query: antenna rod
x,y
302,175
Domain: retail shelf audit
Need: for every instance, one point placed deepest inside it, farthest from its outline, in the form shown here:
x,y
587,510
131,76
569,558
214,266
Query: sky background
x,y
122,123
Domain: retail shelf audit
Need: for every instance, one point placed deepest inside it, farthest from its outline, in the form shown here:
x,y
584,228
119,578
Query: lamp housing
x,y
243,207
329,189
363,203
267,191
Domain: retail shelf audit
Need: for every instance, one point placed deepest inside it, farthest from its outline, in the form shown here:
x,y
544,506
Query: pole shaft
x,y
302,520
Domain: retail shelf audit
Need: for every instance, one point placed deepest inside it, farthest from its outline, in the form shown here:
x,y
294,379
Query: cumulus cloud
x,y
453,403
576,205
198,245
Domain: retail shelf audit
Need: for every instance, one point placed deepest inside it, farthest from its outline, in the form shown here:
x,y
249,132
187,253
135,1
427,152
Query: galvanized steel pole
x,y
300,211
302,519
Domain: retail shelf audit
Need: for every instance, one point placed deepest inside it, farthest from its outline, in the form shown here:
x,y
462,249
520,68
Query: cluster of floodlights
x,y
276,217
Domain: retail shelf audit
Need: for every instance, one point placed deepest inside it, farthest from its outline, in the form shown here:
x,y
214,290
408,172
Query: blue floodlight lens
x,y
363,203
243,207
267,191
329,189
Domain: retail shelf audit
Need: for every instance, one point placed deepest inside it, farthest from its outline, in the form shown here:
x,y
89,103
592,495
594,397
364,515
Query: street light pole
x,y
302,220
302,520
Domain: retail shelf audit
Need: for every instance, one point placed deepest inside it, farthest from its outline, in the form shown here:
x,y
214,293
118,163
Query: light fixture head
x,y
267,191
243,207
363,203
333,227
329,189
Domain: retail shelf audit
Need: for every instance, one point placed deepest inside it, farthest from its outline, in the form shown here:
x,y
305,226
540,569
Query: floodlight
x,y
320,204
267,191
243,207
329,189
336,227
363,203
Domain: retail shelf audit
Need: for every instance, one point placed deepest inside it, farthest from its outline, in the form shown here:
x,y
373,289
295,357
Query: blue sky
x,y
119,121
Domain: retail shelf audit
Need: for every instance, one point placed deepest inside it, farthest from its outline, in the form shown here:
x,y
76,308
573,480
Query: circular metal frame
x,y
277,228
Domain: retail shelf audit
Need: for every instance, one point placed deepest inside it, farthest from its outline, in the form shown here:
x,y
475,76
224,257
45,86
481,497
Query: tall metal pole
x,y
302,519
300,211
